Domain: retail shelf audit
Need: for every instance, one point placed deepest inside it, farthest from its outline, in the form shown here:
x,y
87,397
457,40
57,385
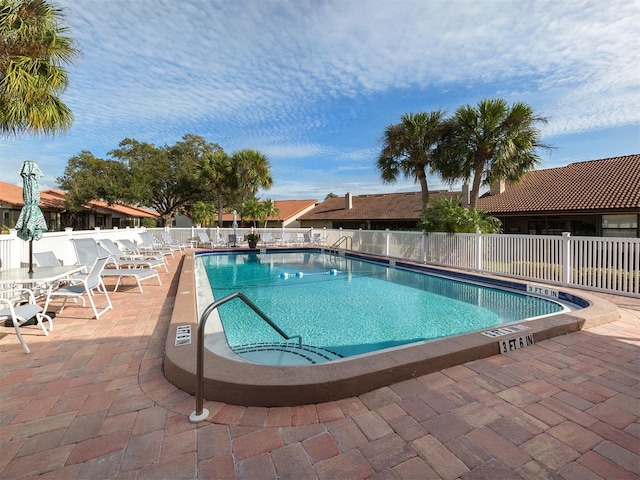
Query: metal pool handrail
x,y
200,412
346,239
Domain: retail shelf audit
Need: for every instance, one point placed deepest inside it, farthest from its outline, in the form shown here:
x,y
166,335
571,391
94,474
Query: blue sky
x,y
313,84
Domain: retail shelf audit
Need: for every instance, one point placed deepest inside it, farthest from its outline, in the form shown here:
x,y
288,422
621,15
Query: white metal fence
x,y
602,264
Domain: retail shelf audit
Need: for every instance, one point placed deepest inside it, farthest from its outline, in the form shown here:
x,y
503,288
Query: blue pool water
x,y
350,306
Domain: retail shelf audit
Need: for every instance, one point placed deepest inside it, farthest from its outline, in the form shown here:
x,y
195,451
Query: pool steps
x,y
285,353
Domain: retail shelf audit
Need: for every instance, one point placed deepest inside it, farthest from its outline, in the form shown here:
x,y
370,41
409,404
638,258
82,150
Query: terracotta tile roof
x,y
292,208
12,195
129,210
289,209
54,199
384,206
608,184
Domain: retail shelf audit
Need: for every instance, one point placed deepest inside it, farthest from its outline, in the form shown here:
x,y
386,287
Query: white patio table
x,y
21,276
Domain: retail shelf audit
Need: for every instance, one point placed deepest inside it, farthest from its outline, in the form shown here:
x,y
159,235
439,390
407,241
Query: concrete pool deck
x,y
231,379
91,401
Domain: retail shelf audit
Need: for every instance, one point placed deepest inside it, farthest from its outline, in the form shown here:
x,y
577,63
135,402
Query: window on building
x,y
620,225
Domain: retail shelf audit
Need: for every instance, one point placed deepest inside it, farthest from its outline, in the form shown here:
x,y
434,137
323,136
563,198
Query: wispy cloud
x,y
292,77
251,63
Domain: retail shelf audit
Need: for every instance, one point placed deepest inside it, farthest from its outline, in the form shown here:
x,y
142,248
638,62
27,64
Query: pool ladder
x,y
200,412
347,240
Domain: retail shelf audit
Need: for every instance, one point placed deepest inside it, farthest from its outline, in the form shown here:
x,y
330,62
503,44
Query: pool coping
x,y
251,384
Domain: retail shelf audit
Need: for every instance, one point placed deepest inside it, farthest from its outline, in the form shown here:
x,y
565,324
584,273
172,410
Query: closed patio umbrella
x,y
31,222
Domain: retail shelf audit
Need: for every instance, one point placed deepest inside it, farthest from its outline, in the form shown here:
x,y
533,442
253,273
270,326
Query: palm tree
x,y
216,170
490,142
34,47
447,215
270,210
203,214
408,149
254,210
253,171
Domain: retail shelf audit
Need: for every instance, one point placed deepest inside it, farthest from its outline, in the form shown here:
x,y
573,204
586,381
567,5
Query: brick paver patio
x,y
91,402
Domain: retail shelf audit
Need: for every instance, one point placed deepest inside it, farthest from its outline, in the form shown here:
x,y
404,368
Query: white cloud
x,y
272,74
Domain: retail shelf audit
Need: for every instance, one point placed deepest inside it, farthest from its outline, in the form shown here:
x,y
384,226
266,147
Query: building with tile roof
x,y
598,197
395,211
288,213
96,213
11,204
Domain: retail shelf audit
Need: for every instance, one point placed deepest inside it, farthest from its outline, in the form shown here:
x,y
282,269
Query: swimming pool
x,y
346,306
232,379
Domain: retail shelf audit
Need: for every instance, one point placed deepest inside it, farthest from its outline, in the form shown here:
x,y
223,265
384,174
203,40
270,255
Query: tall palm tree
x,y
216,169
490,142
408,149
252,209
34,47
253,171
203,214
270,210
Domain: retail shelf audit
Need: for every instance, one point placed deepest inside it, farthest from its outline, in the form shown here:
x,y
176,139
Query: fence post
x,y
478,250
387,236
566,258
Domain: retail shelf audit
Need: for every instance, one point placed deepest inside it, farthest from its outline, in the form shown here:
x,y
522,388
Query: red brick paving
x,y
91,402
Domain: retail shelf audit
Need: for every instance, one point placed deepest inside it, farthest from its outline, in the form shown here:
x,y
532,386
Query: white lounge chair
x,y
288,239
150,243
318,239
88,285
130,248
46,259
205,240
87,250
123,260
267,239
169,241
13,307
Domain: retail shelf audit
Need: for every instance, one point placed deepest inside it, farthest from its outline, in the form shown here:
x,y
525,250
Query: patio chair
x,y
130,248
168,241
87,250
150,243
14,308
287,239
267,239
205,240
49,259
123,260
46,259
86,286
318,239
